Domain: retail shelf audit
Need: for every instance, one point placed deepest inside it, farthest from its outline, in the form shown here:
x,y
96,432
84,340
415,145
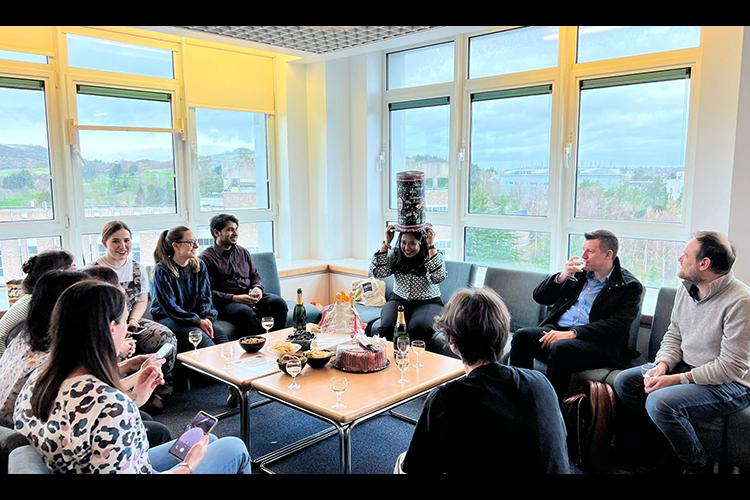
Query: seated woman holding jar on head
x,y
118,241
34,267
182,291
75,412
418,269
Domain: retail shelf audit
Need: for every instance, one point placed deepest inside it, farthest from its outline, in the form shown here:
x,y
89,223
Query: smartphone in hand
x,y
164,350
201,425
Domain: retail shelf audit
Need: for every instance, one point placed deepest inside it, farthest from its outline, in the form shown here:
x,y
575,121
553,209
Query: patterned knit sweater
x,y
412,286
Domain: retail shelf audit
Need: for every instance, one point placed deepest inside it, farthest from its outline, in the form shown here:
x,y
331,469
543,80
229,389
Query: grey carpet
x,y
375,443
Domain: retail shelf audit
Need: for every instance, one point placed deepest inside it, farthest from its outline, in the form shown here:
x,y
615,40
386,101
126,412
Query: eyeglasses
x,y
189,242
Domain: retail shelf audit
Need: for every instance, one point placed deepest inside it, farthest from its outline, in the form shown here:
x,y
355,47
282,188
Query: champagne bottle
x,y
299,316
400,331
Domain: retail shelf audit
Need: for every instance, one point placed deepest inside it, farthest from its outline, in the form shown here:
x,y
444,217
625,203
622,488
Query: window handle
x,y
461,158
381,161
568,154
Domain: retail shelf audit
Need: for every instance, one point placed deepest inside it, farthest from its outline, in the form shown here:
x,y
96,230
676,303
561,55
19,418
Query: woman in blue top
x,y
182,291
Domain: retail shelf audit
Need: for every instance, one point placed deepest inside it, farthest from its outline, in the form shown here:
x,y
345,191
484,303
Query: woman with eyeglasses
x,y
181,290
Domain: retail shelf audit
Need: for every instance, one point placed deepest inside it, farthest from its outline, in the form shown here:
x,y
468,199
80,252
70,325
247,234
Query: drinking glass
x,y
402,344
195,337
293,367
647,371
418,346
579,262
227,354
267,323
338,386
402,361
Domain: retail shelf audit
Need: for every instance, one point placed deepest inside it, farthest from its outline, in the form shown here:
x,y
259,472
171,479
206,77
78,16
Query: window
x,y
143,246
108,55
604,42
13,253
510,135
542,136
23,57
232,160
419,141
125,171
421,66
527,250
25,176
632,145
255,236
511,51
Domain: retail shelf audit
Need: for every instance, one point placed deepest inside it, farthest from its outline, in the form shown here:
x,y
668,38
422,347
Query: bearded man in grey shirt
x,y
703,364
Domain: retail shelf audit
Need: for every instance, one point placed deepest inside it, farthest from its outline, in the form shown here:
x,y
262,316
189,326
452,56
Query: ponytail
x,y
164,252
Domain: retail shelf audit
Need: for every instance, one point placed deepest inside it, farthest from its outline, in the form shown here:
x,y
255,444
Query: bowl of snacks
x,y
318,358
304,339
253,343
284,359
286,347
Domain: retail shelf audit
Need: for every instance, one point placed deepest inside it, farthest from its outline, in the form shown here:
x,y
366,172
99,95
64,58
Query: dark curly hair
x,y
402,264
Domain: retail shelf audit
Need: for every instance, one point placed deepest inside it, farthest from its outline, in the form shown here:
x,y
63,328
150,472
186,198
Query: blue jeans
x,y
227,455
672,408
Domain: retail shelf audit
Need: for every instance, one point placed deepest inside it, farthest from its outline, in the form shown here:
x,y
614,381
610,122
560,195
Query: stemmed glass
x,y
293,367
402,344
195,337
418,346
580,263
402,361
647,370
338,386
227,353
267,323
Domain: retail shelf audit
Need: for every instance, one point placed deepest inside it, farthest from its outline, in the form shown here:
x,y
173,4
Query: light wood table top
x,y
246,367
367,393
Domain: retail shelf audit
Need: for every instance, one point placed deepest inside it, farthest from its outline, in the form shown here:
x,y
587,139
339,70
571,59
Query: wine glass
x,y
195,337
338,386
227,354
293,367
267,323
402,344
402,361
647,370
580,263
418,346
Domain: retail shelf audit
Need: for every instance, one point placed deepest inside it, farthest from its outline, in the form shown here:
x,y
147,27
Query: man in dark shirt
x,y
236,287
594,301
496,419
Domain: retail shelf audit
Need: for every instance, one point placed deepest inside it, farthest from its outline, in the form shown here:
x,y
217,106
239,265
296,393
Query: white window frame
x,y
565,79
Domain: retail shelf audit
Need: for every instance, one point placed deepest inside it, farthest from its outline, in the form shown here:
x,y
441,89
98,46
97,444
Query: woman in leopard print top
x,y
75,413
418,269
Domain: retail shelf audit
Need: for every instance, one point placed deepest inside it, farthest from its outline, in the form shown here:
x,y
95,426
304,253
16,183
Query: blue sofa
x,y
269,274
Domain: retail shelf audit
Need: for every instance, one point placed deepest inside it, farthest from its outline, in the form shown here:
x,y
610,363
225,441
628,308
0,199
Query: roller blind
x,y
33,39
228,79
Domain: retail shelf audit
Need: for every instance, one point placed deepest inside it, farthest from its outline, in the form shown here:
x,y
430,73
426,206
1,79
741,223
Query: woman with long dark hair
x,y
182,290
76,413
118,240
418,268
34,267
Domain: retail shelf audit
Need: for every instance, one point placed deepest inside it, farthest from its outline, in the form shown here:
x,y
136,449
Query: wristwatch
x,y
684,378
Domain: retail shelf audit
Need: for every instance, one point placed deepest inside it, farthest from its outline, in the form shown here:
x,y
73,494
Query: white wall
x,y
740,200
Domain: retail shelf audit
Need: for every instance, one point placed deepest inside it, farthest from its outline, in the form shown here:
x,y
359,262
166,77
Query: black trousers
x,y
156,432
246,319
563,358
419,315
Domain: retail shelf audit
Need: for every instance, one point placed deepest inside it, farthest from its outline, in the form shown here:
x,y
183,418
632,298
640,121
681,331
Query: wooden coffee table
x,y
243,369
368,395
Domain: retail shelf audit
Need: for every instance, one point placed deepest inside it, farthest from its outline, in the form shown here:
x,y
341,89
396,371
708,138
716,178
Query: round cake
x,y
352,357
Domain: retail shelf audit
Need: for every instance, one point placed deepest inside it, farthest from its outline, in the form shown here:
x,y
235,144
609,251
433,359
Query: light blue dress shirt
x,y
578,313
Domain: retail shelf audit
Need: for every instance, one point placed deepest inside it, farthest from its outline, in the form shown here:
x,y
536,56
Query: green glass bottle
x,y
400,332
299,316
